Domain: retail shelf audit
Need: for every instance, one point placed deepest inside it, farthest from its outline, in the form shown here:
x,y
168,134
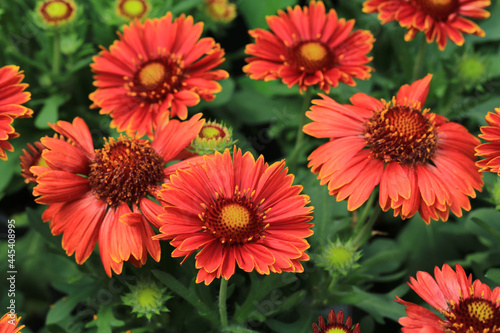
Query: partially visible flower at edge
x,y
164,67
465,305
108,195
9,323
439,20
335,324
236,211
308,47
57,12
12,96
491,149
408,151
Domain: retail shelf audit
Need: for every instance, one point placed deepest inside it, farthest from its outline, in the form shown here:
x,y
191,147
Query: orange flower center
x,y
438,9
402,134
55,11
132,8
235,220
125,170
312,56
155,79
473,315
211,132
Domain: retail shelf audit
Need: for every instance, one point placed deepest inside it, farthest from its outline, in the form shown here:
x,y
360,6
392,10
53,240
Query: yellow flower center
x,y
312,56
402,134
211,132
134,8
336,330
57,10
154,79
151,75
125,170
473,315
438,9
236,220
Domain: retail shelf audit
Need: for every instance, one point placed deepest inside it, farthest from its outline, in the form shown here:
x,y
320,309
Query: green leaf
x,y
189,295
254,12
494,275
50,111
105,320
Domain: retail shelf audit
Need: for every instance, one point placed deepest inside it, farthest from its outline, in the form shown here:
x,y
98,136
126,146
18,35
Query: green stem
x,y
364,233
419,60
56,54
222,302
294,155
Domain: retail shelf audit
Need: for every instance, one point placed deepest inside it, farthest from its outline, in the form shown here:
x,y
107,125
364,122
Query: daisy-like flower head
x,y
490,150
107,194
465,306
155,70
408,151
57,12
132,9
307,46
438,19
236,211
9,322
335,324
12,96
220,10
30,158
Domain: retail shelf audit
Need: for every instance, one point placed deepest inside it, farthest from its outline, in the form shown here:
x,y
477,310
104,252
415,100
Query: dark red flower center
x,y
55,11
438,9
125,170
473,315
312,56
154,79
212,132
402,134
235,220
132,8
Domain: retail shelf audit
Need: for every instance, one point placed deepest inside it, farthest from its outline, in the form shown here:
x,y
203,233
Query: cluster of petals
x,y
307,46
466,306
236,211
87,206
9,323
412,157
12,96
491,149
156,70
438,19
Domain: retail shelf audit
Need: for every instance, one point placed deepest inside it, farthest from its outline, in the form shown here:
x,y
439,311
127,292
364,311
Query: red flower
x,y
335,324
9,322
306,46
409,152
105,194
465,305
156,69
236,211
491,149
438,19
12,95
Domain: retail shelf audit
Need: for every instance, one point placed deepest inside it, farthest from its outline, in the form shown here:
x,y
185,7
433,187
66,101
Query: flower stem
x,y
363,230
294,155
56,53
419,60
222,302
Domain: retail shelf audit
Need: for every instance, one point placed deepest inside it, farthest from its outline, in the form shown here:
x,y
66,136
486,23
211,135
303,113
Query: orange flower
x,y
12,95
307,46
491,149
9,322
465,305
438,19
335,324
408,151
156,69
237,211
106,194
